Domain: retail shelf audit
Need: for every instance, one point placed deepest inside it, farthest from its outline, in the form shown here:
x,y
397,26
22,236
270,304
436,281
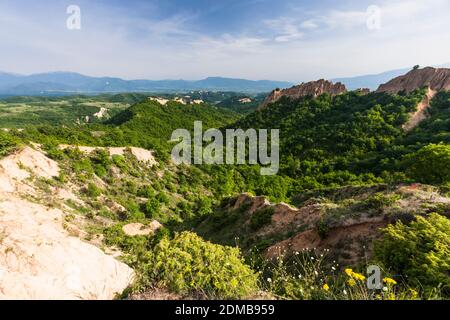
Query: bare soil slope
x,y
39,258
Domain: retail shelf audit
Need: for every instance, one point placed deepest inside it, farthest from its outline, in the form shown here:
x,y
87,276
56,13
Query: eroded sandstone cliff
x,y
313,88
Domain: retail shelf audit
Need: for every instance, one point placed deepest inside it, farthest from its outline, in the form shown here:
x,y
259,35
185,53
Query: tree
x,y
152,207
431,164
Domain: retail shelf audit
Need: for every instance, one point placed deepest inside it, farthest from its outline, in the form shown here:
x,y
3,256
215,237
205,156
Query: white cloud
x,y
300,47
285,29
309,24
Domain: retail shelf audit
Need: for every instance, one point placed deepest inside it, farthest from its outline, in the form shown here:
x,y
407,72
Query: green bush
x,y
187,263
163,198
380,200
115,236
419,251
261,218
120,162
152,208
93,191
323,227
101,162
146,191
8,143
431,164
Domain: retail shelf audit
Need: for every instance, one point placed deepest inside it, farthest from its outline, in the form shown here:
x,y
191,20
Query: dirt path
x,y
421,112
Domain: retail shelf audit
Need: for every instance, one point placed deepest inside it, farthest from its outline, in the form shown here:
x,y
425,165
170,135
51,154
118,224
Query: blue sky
x,y
256,39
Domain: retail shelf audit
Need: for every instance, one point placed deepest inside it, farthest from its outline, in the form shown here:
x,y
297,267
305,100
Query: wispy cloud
x,y
252,39
285,29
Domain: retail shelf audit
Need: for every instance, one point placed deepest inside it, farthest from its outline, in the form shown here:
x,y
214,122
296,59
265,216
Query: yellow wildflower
x,y
326,287
358,276
414,294
351,282
389,281
349,272
354,275
391,296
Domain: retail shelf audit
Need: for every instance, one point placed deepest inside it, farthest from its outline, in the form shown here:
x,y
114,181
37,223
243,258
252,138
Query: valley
x,y
364,180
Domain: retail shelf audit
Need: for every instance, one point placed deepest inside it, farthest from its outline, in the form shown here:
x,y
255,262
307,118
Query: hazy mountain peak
x,y
65,82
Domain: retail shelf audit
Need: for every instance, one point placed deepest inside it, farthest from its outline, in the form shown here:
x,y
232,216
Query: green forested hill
x,y
353,133
349,125
351,139
146,124
161,120
325,142
152,121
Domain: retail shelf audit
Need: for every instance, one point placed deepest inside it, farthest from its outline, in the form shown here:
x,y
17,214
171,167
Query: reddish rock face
x,y
313,88
435,79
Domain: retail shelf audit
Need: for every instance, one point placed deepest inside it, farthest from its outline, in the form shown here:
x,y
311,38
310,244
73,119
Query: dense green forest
x,y
325,142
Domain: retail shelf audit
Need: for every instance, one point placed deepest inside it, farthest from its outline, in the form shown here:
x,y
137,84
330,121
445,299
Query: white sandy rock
x,y
38,257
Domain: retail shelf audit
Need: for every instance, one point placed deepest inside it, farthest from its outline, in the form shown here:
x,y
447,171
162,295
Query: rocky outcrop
x,y
435,79
39,257
138,229
141,155
320,223
313,88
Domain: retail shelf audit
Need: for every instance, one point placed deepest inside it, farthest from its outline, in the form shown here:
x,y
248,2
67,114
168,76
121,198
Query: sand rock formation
x,y
348,236
434,79
437,79
39,259
313,88
142,155
138,229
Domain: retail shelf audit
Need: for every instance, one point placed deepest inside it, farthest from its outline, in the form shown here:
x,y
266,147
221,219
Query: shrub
x,y
431,164
8,143
184,209
101,162
261,218
120,162
152,207
146,191
115,236
323,227
203,206
420,251
163,198
92,190
380,201
188,263
100,171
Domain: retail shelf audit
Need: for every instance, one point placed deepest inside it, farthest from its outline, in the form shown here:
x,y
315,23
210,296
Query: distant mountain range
x,y
56,83
61,83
